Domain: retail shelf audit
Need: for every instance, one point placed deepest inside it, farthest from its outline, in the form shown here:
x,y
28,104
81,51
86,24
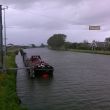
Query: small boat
x,y
37,67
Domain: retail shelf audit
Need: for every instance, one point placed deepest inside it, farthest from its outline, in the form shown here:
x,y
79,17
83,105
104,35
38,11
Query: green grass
x,y
91,51
8,97
84,51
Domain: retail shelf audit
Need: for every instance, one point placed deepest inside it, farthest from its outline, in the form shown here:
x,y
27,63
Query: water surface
x,y
81,82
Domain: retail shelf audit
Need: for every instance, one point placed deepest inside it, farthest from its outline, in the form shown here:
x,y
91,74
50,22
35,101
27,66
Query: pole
x,y
5,48
5,31
1,39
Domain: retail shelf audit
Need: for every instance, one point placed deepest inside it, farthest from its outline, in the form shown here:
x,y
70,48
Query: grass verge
x,y
8,95
90,51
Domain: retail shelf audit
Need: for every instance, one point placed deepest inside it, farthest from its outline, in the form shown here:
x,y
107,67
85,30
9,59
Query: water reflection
x,y
44,81
44,76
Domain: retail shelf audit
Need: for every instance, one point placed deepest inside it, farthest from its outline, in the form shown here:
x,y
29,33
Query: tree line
x,y
58,41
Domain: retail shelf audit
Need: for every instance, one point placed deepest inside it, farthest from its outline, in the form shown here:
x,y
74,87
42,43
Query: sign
x,y
94,27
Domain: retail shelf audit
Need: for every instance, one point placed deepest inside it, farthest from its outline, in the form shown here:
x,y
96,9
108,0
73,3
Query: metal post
x,y
1,39
5,48
4,31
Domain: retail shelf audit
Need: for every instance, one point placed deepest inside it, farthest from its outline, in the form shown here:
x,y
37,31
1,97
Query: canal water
x,y
81,81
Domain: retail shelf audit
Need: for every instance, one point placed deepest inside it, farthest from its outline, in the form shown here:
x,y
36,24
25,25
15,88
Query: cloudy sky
x,y
34,21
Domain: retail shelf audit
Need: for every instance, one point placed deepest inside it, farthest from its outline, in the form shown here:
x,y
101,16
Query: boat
x,y
37,67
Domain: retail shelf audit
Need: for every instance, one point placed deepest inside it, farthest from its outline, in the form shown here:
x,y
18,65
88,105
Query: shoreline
x,y
102,52
8,94
91,51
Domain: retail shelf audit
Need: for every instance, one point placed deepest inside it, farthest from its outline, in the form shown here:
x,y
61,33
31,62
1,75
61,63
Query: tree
x,y
56,41
107,39
42,45
33,45
68,45
85,42
107,45
74,45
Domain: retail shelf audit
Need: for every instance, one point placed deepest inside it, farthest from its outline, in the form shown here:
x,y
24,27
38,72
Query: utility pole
x,y
1,39
5,48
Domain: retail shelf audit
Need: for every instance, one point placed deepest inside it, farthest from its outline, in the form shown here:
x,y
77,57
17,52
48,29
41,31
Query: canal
x,y
81,81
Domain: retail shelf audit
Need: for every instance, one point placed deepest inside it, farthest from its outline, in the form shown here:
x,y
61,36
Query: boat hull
x,y
41,72
38,68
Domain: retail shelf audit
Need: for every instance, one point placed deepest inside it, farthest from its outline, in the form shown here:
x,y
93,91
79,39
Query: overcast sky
x,y
34,21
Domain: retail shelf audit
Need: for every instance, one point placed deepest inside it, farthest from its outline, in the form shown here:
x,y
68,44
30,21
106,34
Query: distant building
x,y
10,45
101,44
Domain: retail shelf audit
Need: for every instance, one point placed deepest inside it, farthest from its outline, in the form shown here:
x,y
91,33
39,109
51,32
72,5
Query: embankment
x,y
8,96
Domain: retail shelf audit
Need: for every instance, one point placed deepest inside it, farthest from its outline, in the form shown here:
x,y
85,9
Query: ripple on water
x,y
80,82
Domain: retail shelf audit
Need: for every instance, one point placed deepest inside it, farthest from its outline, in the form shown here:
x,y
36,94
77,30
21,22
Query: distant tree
x,y
74,45
56,41
83,45
86,45
107,41
42,45
85,42
10,44
68,45
33,45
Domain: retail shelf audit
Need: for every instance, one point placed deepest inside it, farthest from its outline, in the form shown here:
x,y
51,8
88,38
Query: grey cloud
x,y
20,4
24,4
80,14
93,13
52,16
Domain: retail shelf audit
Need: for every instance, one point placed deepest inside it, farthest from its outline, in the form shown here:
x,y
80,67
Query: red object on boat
x,y
45,75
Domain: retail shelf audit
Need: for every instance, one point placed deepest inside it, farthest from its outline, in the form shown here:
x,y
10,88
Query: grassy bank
x,y
91,51
84,51
8,96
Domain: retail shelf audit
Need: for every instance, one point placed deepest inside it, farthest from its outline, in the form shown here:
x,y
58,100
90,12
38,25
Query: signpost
x,y
1,40
94,27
